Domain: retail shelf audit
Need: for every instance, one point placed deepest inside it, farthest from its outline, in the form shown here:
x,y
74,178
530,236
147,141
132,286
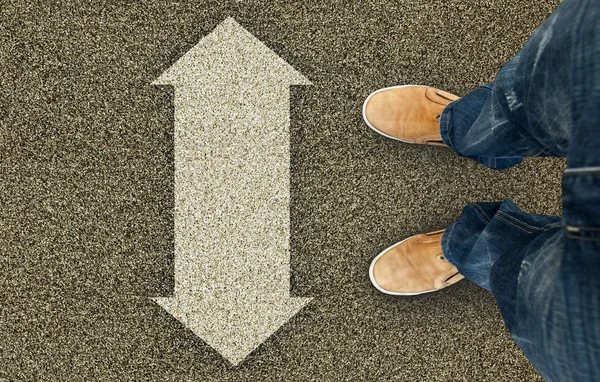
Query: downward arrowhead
x,y
231,324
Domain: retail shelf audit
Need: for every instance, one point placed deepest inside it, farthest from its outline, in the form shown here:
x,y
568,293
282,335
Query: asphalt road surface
x,y
87,190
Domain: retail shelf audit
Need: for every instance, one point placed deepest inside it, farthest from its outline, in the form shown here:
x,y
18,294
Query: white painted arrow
x,y
232,191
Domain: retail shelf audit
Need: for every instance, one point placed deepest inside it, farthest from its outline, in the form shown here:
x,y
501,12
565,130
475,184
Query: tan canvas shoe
x,y
413,266
408,113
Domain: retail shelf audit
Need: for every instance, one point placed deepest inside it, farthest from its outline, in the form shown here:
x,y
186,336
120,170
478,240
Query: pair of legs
x,y
544,271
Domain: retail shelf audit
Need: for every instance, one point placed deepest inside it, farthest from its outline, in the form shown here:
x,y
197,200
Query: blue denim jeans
x,y
544,271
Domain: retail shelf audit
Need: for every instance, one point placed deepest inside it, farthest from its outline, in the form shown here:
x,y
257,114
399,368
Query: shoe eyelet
x,y
438,116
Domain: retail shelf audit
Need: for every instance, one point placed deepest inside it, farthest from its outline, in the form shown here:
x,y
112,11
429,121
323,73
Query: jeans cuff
x,y
446,236
446,128
446,124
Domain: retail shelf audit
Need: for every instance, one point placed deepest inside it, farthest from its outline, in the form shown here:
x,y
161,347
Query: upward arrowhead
x,y
233,325
230,55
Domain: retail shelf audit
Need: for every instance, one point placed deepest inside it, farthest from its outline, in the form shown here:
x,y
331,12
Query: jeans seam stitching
x,y
583,173
546,228
502,215
448,246
591,170
482,214
519,221
448,128
585,228
574,237
535,152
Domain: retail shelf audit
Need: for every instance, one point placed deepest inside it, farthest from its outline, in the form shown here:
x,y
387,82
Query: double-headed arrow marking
x,y
232,191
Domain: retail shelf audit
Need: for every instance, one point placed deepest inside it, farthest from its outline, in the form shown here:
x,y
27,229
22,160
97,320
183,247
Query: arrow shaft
x,y
232,188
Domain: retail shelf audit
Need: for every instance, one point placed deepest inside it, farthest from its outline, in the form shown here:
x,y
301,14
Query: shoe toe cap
x,y
388,273
377,112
